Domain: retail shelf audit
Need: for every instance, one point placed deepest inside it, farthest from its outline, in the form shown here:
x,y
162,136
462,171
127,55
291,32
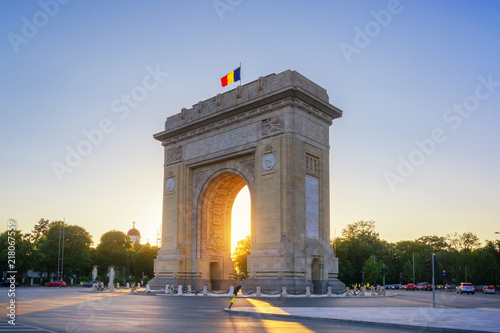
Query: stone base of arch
x,y
196,284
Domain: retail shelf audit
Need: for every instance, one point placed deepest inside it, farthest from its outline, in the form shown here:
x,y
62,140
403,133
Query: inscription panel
x,y
220,142
312,207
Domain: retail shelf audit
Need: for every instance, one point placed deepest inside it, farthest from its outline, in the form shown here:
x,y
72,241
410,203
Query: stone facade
x,y
272,135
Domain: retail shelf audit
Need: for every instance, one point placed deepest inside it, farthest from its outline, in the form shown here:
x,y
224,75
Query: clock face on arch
x,y
170,184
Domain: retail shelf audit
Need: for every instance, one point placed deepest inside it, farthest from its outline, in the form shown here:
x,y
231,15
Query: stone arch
x,y
272,135
214,207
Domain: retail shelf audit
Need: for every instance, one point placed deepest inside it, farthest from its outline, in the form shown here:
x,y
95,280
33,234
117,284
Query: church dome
x,y
134,232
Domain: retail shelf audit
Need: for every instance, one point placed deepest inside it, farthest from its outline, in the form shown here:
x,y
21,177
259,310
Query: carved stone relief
x,y
272,125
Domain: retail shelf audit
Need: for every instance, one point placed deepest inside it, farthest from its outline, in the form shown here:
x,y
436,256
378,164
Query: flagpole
x,y
240,73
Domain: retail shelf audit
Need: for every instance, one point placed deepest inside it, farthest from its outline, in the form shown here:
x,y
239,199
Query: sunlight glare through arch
x,y
240,217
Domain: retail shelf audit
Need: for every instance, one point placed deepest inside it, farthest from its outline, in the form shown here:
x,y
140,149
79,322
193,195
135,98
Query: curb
x,y
348,321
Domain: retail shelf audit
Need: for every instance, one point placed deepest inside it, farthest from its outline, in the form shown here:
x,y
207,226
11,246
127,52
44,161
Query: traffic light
x,y
435,265
428,266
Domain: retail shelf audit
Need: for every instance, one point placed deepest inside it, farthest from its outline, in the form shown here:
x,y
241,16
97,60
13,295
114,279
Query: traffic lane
x,y
132,313
448,299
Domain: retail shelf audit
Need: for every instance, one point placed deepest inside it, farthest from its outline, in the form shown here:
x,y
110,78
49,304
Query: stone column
x,y
111,278
94,273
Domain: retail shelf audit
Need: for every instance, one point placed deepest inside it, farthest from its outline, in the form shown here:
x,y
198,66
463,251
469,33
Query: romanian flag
x,y
231,77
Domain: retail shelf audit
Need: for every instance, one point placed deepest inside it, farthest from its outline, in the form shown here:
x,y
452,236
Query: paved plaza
x,y
81,310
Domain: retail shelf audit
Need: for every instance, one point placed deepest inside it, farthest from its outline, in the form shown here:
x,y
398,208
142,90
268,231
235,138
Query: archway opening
x,y
219,207
240,217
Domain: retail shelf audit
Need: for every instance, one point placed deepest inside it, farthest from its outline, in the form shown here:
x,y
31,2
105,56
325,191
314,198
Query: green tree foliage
x,y
144,261
240,255
456,254
77,242
114,249
40,229
23,251
373,271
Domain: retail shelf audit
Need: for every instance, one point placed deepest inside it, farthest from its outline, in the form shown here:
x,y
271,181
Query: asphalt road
x,y
78,310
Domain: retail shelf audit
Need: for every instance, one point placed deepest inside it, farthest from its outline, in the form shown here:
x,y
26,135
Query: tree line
x,y
459,257
39,249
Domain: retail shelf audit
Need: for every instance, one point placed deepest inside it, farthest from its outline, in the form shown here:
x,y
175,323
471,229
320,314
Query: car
x,y
479,288
466,287
8,283
421,286
410,286
91,283
489,290
60,283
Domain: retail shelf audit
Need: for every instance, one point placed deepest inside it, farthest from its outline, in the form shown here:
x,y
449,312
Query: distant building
x,y
134,234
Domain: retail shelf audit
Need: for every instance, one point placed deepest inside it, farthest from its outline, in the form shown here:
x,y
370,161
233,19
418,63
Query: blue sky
x,y
414,62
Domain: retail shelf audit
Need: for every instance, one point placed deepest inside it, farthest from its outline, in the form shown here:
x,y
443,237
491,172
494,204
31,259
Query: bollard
x,y
283,292
383,291
94,286
167,289
118,285
347,292
31,281
363,290
205,291
128,285
372,291
231,290
258,292
308,291
179,290
139,285
329,291
148,290
189,289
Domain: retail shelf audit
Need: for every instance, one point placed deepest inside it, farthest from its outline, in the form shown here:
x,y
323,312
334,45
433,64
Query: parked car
x,y
421,286
489,290
7,283
466,287
56,284
479,288
90,283
410,286
428,287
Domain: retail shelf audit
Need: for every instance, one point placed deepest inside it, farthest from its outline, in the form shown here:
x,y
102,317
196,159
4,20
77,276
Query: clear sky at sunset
x,y
417,149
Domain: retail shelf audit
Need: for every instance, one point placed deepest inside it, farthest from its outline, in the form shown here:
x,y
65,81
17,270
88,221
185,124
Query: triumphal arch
x,y
273,136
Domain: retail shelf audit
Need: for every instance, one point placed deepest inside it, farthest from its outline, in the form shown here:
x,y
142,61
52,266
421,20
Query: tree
x,y
435,242
373,271
359,242
40,229
240,255
77,242
114,249
23,251
144,260
360,229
